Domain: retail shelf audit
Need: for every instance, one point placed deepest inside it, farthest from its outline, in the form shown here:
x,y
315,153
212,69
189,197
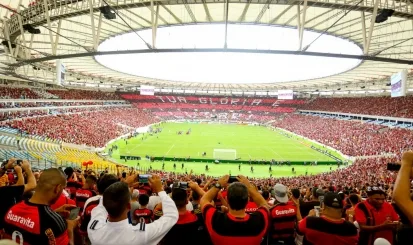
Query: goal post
x,y
225,154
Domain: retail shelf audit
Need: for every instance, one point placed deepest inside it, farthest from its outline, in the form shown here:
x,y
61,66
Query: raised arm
x,y
254,194
31,180
212,193
158,229
401,193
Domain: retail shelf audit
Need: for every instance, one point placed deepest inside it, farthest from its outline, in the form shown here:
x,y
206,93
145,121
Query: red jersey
x,y
82,195
322,231
30,224
251,207
72,186
377,217
87,212
62,201
226,229
283,222
144,213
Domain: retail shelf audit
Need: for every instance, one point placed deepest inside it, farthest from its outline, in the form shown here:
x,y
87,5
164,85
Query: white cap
x,y
135,193
381,241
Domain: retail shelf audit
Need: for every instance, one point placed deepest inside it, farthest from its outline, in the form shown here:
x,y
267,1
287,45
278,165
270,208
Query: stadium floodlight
x,y
225,154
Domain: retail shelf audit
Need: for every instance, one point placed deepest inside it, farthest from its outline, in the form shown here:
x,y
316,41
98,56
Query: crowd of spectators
x,y
379,106
52,104
352,138
92,128
17,93
362,204
74,94
70,94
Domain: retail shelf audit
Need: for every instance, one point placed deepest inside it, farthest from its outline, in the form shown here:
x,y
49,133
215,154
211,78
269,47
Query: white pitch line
x,y
274,152
169,149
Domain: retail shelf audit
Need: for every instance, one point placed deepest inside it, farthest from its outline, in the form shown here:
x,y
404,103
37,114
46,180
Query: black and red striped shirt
x,y
283,222
72,186
144,213
322,231
82,195
226,229
31,224
189,230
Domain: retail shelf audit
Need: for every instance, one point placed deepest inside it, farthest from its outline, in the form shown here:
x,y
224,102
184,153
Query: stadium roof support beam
x,y
23,38
49,25
263,10
96,37
56,41
301,24
281,14
244,12
92,22
154,21
209,17
226,10
171,13
363,28
372,21
191,14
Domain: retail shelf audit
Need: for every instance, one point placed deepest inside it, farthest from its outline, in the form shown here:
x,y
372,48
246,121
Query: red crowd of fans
x,y
379,106
73,94
350,137
17,93
90,128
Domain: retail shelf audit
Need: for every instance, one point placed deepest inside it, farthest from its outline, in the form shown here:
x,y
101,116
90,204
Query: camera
x,y
391,166
5,162
232,179
181,185
144,178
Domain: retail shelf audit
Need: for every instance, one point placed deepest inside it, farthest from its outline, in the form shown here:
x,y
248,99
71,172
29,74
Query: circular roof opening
x,y
225,67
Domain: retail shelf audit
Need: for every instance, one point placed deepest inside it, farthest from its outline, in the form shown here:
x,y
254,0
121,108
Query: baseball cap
x,y
333,200
381,241
280,193
372,190
135,193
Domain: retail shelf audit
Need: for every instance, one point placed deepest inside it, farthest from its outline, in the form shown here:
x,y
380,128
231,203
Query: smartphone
x,y
144,178
393,166
317,211
232,179
74,213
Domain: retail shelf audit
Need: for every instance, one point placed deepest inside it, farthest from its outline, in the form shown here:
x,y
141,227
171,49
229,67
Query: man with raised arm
x,y
236,226
109,223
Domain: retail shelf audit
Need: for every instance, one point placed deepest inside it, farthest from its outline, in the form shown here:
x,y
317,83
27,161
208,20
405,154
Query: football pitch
x,y
250,142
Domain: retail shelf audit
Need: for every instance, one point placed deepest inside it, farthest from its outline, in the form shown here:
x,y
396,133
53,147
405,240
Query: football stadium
x,y
175,122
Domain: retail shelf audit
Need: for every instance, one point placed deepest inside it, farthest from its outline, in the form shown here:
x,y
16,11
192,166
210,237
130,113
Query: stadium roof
x,y
73,29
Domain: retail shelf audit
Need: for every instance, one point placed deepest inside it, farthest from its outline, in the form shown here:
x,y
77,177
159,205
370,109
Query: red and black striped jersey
x,y
144,213
31,224
283,222
226,229
87,213
82,195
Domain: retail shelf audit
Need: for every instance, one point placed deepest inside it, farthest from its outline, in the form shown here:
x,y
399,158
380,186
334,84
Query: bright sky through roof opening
x,y
228,67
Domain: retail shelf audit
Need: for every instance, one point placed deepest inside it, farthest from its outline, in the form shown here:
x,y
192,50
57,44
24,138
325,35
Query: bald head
x,y
49,179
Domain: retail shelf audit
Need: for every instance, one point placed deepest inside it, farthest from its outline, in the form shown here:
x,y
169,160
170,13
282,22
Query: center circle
x,y
225,67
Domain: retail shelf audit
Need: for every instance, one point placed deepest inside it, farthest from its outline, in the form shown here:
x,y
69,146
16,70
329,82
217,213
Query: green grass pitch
x,y
250,142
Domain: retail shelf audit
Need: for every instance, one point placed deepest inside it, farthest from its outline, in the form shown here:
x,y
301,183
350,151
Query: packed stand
x,y
89,128
352,138
81,207
74,94
379,106
17,93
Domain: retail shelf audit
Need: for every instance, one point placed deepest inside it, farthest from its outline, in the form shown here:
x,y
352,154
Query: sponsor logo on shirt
x,y
82,194
21,220
284,212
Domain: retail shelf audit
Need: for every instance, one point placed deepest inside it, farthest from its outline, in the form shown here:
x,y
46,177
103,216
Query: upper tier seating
x,y
379,106
84,95
350,137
